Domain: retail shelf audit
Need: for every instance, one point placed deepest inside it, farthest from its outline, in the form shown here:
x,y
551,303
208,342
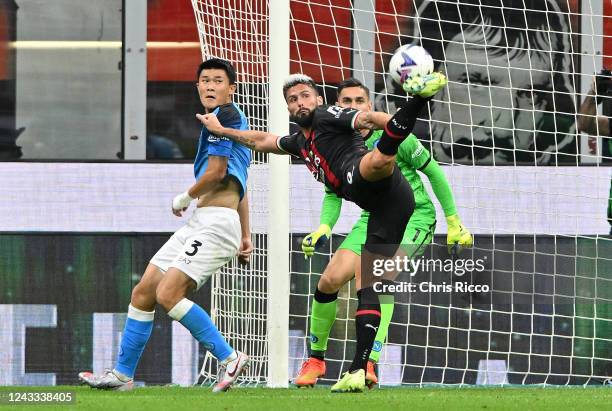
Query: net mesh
x,y
237,31
531,189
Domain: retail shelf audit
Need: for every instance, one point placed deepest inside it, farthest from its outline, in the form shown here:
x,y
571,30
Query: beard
x,y
304,121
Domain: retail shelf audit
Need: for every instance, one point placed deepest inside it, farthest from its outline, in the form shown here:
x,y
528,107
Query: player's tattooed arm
x,y
253,139
374,120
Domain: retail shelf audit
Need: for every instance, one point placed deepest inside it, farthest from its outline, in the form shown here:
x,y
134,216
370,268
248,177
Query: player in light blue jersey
x,y
217,231
210,145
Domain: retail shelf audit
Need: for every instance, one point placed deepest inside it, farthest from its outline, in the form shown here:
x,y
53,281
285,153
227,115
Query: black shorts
x,y
390,202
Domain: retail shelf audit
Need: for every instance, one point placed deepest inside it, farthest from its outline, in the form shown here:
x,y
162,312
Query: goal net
x,y
531,188
238,31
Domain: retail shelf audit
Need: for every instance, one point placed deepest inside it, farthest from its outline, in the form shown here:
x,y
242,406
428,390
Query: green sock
x,y
386,312
322,318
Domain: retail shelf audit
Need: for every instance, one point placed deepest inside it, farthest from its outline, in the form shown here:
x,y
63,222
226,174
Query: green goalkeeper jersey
x,y
411,156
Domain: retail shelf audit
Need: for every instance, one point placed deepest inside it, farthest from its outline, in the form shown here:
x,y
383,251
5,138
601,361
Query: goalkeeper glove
x,y
315,240
458,237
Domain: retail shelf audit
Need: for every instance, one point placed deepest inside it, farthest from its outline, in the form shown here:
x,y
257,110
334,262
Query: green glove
x,y
315,240
458,237
425,86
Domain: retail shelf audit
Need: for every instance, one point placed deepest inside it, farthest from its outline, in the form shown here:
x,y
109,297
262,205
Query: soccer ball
x,y
409,60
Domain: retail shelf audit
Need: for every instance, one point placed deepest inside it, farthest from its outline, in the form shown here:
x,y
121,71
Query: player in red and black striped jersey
x,y
332,145
335,153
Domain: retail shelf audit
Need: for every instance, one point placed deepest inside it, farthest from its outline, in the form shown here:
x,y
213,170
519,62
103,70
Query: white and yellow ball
x,y
410,60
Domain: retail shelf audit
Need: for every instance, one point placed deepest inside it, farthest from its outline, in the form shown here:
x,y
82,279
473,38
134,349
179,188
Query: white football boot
x,y
230,371
109,380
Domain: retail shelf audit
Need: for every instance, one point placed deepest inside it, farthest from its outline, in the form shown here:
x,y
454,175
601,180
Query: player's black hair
x,y
295,79
216,63
352,82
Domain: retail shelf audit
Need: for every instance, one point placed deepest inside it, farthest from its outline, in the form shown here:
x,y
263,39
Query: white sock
x,y
121,377
229,359
180,309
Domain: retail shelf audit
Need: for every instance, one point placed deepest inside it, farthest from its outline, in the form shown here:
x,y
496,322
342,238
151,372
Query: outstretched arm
x,y
413,154
440,187
255,140
457,236
330,209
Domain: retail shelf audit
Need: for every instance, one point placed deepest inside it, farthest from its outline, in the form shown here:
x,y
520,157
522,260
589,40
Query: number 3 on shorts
x,y
196,244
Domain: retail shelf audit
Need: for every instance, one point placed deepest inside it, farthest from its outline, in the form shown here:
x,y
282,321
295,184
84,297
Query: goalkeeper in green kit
x,y
411,156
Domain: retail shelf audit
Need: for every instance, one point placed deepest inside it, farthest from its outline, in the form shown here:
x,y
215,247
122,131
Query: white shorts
x,y
208,241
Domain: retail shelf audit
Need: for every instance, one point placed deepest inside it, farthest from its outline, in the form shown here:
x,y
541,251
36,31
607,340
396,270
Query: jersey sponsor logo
x,y
377,346
215,139
372,327
313,338
313,162
318,166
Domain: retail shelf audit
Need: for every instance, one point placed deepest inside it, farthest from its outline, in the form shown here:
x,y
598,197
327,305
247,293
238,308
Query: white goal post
x,y
255,38
530,187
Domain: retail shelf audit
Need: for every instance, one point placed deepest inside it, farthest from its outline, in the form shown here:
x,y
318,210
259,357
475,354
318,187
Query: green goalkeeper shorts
x,y
420,231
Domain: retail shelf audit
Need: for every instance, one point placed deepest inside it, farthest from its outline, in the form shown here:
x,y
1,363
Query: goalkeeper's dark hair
x,y
352,82
216,63
295,79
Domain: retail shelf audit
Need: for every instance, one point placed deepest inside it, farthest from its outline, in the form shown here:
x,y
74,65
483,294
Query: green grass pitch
x,y
319,399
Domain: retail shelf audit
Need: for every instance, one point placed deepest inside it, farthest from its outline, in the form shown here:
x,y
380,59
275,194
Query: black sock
x,y
367,320
400,125
323,298
319,355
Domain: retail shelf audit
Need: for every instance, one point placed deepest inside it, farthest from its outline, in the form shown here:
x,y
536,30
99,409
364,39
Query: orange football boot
x,y
311,370
371,378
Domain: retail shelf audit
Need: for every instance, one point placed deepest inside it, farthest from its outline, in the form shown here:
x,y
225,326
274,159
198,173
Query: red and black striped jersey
x,y
331,146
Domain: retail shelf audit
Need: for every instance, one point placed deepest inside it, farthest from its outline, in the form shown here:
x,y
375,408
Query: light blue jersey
x,y
239,156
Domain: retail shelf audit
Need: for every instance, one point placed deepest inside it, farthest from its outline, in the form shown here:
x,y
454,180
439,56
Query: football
x,y
409,60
